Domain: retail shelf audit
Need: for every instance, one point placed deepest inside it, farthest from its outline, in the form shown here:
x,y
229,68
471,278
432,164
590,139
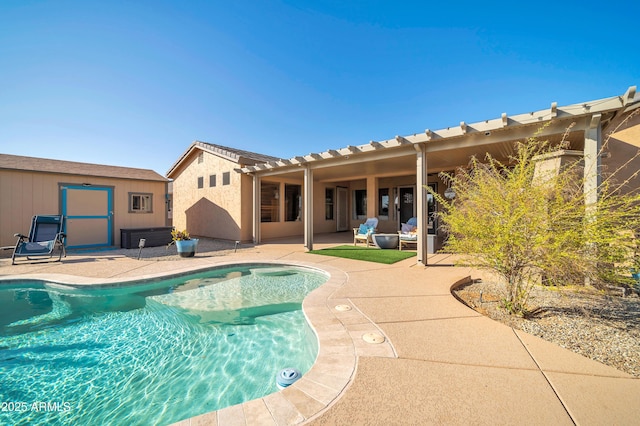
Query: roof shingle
x,y
234,154
45,165
238,156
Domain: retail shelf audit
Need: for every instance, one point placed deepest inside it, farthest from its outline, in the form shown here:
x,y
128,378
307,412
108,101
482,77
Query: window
x,y
226,178
383,203
200,182
140,203
293,202
212,180
200,157
360,204
269,202
328,203
432,212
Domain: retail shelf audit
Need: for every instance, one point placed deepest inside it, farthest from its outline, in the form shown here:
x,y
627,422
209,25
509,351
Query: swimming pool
x,y
151,353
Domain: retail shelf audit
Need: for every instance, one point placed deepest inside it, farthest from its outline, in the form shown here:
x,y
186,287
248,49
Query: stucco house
x,y
98,201
263,197
211,199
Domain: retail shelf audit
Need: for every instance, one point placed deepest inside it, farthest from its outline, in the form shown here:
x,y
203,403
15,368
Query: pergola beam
x,y
629,95
477,139
401,140
313,156
429,134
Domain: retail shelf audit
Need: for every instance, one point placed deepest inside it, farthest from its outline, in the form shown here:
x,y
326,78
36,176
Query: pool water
x,y
152,353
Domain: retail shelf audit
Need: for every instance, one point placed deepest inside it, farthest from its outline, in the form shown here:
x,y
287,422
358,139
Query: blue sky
x,y
134,83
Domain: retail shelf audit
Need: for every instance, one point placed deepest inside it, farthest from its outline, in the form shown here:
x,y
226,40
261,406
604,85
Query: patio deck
x,y
441,363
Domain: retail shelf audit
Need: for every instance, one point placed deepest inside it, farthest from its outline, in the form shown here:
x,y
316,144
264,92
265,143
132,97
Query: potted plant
x,y
184,243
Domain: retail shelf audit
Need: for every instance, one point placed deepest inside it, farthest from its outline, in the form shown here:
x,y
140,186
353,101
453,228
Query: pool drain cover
x,y
343,308
373,338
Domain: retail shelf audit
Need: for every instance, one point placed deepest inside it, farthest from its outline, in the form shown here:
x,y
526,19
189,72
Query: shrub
x,y
528,227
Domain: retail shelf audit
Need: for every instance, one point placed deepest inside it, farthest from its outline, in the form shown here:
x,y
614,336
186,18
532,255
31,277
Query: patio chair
x,y
363,232
44,236
408,234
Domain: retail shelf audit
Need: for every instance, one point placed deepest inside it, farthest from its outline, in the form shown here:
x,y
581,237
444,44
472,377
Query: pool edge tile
x,y
232,416
282,410
317,391
304,403
207,419
256,412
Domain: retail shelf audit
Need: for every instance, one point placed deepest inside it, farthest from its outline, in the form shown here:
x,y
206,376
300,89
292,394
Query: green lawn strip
x,y
364,253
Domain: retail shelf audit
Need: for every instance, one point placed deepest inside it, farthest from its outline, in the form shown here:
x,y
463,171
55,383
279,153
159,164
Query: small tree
x,y
527,227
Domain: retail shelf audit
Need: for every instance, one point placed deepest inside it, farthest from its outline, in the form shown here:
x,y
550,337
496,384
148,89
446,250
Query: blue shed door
x,y
88,211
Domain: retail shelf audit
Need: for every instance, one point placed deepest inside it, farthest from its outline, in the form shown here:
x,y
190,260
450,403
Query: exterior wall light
x,y
449,194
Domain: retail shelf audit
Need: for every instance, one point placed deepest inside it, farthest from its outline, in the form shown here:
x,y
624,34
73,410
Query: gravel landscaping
x,y
603,326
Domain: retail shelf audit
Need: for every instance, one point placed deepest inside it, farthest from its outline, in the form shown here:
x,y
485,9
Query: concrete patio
x,y
440,363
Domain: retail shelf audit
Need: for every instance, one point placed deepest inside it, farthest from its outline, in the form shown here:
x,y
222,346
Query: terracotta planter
x,y
187,248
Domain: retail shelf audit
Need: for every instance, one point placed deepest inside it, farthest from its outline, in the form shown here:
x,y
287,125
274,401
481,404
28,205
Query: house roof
x,y
239,156
450,146
45,165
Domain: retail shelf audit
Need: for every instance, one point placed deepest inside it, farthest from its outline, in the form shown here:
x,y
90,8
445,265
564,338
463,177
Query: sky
x,y
135,83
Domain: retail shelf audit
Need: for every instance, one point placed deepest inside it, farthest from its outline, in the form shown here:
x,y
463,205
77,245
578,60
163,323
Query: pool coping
x,y
343,332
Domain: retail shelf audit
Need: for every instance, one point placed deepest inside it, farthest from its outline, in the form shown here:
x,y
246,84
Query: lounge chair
x,y
44,236
408,234
363,232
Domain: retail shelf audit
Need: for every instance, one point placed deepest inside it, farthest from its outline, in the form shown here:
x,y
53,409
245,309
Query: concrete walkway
x,y
441,362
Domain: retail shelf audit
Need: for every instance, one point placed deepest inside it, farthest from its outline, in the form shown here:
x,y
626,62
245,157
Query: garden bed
x,y
599,325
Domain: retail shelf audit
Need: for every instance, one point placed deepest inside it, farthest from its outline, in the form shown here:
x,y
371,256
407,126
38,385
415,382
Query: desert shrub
x,y
529,228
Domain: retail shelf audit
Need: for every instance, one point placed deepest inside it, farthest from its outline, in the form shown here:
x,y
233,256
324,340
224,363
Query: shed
x,y
98,201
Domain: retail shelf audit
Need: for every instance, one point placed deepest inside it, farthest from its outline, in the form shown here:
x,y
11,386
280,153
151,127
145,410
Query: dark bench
x,y
158,236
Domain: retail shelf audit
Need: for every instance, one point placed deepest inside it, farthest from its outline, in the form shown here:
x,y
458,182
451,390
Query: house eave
x,y
219,151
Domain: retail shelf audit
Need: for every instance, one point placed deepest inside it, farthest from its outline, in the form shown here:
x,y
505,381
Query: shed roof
x,y
238,156
45,165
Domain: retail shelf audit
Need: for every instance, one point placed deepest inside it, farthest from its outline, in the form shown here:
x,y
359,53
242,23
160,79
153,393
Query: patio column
x,y
257,184
592,169
308,208
592,166
421,203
